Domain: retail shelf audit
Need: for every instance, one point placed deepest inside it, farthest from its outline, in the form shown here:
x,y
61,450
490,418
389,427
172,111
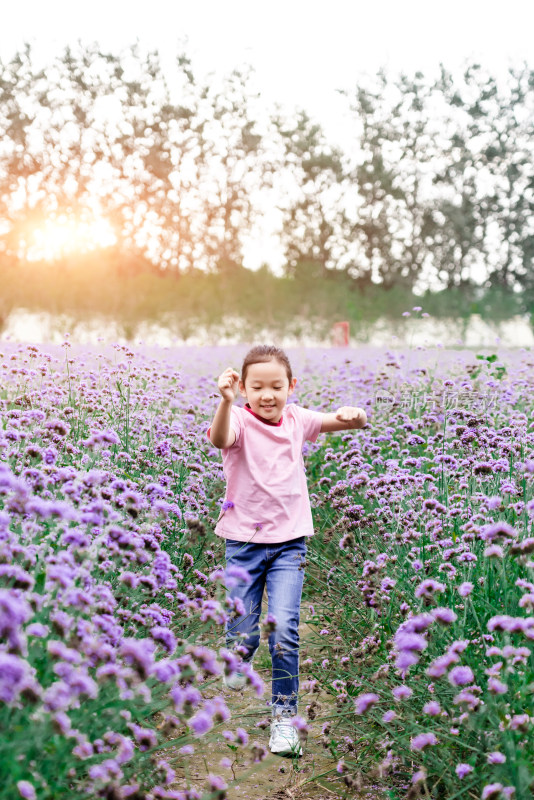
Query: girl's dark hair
x,y
262,353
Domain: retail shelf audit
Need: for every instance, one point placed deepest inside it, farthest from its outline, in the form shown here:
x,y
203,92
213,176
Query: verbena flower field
x,y
419,583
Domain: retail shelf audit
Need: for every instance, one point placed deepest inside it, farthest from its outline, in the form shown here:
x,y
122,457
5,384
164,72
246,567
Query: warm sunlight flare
x,y
59,237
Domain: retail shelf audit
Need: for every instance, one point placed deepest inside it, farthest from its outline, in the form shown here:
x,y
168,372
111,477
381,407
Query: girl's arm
x,y
222,435
344,419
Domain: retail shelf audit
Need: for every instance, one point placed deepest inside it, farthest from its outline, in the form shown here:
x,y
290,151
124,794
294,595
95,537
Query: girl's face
x,y
267,388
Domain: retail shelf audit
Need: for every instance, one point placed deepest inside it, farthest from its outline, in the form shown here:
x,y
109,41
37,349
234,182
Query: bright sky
x,y
302,50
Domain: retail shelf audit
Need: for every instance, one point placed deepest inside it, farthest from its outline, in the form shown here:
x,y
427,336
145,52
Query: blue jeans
x,y
280,567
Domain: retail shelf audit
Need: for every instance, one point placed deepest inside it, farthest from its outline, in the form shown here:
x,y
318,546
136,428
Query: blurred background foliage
x,y
433,192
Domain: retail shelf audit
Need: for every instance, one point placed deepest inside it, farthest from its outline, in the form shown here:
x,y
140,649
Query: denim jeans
x,y
280,567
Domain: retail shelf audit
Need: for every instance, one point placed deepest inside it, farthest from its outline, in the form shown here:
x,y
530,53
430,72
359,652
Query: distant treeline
x,y
436,187
237,302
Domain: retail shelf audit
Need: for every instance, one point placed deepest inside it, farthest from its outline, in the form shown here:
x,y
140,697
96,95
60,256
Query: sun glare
x,y
63,236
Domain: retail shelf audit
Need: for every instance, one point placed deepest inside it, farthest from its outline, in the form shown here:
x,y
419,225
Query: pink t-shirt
x,y
265,477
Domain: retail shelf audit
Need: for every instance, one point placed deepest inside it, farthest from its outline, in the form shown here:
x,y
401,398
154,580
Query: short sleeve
x,y
311,423
236,425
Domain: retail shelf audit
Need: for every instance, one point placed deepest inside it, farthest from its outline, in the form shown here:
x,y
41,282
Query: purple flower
x,y
429,587
16,676
520,722
234,574
227,504
145,737
389,716
165,637
410,641
459,646
444,615
106,771
201,723
402,692
497,530
418,623
241,736
463,769
365,701
26,790
493,502
492,791
419,776
37,629
139,653
432,708
14,612
441,664
405,660
18,577
468,698
496,758
461,676
217,707
254,679
50,455
216,782
423,740
496,686
503,622
465,589
494,551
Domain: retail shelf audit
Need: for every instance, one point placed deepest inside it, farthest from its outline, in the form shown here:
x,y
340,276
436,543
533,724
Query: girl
x,y
266,515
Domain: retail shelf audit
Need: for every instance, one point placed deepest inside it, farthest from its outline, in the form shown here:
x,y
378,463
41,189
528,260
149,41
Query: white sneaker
x,y
284,739
235,681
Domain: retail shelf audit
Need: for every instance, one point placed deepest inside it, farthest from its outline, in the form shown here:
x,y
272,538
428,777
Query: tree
x,y
391,177
310,174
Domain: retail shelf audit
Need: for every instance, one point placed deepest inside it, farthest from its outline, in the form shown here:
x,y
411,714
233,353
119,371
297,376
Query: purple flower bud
x,y
402,692
364,702
419,776
410,641
423,740
496,686
26,790
494,551
463,769
492,791
241,736
444,615
429,587
461,676
465,588
200,723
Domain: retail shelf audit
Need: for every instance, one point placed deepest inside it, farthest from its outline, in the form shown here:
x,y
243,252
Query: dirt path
x,y
313,776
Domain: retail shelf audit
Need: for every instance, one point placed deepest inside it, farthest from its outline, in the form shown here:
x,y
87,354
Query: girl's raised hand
x,y
356,416
228,384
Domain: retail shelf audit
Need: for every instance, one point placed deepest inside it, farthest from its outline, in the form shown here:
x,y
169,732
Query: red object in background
x,y
340,334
